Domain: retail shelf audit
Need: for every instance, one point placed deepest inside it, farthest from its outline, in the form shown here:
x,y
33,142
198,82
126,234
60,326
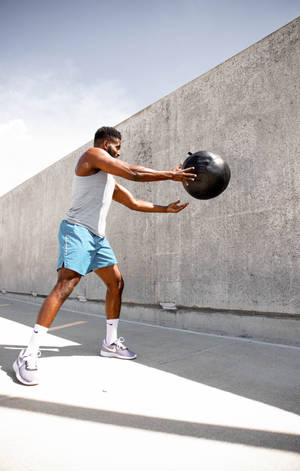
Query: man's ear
x,y
105,144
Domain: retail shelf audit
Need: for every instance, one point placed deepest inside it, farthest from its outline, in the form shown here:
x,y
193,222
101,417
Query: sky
x,y
70,67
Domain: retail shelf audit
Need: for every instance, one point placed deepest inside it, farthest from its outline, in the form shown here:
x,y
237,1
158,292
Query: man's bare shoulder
x,y
94,156
90,160
95,152
97,158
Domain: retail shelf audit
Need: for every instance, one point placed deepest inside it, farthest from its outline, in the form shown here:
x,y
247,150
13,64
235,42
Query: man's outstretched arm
x,y
100,159
123,196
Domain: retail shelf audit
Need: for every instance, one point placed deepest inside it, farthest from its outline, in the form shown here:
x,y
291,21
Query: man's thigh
x,y
104,255
76,248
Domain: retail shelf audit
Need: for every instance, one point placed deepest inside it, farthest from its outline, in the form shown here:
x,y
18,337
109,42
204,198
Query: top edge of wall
x,y
295,20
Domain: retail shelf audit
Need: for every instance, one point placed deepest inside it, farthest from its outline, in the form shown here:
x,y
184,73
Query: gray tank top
x,y
91,199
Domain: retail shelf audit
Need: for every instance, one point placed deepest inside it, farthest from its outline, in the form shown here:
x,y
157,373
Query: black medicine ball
x,y
213,175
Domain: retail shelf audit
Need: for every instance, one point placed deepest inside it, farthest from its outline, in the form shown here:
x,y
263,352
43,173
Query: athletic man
x,y
83,246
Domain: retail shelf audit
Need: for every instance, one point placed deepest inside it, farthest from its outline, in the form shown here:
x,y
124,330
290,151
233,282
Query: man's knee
x,y
64,287
116,285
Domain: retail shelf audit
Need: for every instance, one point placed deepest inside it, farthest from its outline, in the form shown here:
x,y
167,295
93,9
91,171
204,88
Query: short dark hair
x,y
107,133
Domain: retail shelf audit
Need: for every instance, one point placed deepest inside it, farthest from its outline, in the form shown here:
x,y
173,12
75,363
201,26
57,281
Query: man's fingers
x,y
188,169
175,208
180,208
180,175
188,175
175,204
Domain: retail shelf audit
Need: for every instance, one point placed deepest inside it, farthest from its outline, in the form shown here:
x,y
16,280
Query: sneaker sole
x,y
115,355
19,377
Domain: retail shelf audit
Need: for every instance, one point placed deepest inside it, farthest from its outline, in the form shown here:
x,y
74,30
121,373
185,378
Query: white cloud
x,y
15,142
14,128
44,118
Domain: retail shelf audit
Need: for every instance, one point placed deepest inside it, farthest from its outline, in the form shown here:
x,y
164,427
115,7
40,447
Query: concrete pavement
x,y
193,400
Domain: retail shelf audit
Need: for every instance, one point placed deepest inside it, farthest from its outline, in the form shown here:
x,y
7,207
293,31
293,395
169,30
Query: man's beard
x,y
111,151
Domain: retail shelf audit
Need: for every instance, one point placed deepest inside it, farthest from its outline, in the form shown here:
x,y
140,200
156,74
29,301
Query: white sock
x,y
111,331
36,338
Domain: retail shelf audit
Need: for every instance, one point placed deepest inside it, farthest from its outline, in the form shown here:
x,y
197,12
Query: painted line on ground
x,y
66,325
43,349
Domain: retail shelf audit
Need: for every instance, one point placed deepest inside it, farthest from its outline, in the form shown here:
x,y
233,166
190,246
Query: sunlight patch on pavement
x,y
132,388
15,333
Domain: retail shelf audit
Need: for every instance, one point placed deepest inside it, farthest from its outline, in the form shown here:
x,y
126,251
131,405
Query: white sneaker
x,y
117,350
26,368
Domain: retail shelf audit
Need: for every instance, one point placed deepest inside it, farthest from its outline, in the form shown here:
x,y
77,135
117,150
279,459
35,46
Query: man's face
x,y
113,147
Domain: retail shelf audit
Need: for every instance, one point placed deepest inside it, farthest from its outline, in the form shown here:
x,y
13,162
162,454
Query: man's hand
x,y
176,207
180,175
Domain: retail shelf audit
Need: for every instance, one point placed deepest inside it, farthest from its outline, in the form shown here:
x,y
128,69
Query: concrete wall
x,y
239,251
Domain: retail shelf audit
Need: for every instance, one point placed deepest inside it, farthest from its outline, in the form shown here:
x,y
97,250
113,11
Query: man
x,y
83,246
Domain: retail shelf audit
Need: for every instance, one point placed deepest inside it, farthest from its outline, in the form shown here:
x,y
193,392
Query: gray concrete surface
x,y
237,252
190,400
282,328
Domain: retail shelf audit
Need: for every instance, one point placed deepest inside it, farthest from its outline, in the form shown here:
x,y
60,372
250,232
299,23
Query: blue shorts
x,y
81,250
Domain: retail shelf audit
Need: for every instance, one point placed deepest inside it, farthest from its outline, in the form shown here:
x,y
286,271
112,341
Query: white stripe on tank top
x,y
91,199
